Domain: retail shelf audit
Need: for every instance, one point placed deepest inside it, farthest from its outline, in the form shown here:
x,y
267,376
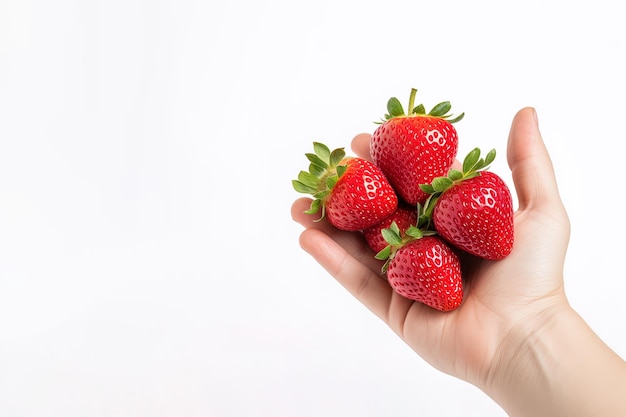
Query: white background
x,y
149,265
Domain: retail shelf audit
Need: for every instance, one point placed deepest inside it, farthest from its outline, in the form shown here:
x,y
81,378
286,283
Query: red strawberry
x,y
351,192
423,268
404,216
473,209
413,149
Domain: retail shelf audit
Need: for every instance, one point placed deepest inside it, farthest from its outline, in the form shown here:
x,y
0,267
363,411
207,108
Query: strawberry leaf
x,y
324,172
427,188
472,175
308,179
471,160
331,181
420,209
414,232
317,170
456,119
300,187
441,109
320,195
422,219
394,107
336,156
429,205
420,109
455,174
321,150
391,236
315,207
315,160
490,157
384,253
385,267
441,184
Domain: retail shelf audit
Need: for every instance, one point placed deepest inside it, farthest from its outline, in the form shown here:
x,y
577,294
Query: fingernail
x,y
535,117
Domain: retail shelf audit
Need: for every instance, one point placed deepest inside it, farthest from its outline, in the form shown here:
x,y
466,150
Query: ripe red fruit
x,y
473,209
422,267
427,270
414,148
352,193
404,216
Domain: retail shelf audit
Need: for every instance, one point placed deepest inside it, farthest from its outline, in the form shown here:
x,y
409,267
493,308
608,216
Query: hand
x,y
504,300
515,335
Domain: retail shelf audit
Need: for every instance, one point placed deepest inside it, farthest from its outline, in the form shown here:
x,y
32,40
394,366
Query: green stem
x,y
429,206
411,101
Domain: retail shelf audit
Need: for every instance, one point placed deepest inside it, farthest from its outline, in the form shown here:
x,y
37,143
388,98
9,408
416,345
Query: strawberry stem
x,y
411,101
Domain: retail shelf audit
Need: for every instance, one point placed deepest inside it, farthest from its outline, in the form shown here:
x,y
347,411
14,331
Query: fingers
x,y
352,242
530,163
346,256
361,145
357,277
307,220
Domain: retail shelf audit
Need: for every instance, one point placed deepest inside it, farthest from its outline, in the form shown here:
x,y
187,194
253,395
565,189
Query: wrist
x,y
553,365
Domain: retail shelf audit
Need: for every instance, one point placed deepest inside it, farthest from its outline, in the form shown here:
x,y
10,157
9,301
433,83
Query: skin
x,y
515,336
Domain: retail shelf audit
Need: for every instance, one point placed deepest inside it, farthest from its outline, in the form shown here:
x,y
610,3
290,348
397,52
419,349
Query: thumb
x,y
531,166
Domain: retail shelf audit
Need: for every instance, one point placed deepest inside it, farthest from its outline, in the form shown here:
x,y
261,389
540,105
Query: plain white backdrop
x,y
149,265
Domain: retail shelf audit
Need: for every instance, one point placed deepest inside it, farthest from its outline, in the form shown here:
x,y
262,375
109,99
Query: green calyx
x,y
472,165
325,169
441,110
395,239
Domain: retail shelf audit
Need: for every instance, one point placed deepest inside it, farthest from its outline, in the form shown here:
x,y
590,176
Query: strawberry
x,y
414,148
351,192
404,217
473,209
422,267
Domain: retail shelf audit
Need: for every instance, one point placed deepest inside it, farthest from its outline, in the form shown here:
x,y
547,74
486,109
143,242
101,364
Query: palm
x,y
464,342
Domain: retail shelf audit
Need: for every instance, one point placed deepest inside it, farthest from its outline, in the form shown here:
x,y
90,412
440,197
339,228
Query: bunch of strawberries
x,y
416,211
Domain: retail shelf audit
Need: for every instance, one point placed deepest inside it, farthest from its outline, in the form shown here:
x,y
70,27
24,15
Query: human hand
x,y
504,300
